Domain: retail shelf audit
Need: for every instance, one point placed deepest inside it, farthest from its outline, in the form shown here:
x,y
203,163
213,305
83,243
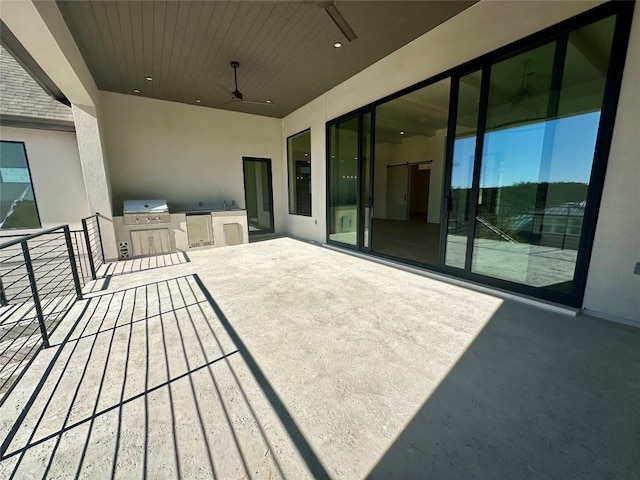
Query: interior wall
x,y
416,148
385,153
56,175
436,147
186,154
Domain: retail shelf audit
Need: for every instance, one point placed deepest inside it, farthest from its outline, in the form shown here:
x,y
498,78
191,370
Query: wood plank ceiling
x,y
285,49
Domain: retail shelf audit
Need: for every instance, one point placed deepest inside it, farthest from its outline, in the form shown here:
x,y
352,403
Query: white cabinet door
x,y
150,242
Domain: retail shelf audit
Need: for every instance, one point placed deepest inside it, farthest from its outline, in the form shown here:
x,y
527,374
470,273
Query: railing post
x,y
99,236
3,295
72,261
92,266
34,290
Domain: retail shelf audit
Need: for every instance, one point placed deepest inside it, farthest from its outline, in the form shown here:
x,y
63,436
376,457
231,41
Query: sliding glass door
x,y
493,172
410,140
349,179
520,172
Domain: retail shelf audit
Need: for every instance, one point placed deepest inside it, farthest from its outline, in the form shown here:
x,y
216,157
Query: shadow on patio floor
x,y
140,264
543,397
153,381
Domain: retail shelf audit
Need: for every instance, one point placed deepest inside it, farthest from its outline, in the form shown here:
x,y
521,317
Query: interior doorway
x,y
409,164
258,194
419,180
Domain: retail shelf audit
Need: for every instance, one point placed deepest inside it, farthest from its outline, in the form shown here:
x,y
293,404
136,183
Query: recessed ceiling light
x,y
402,132
148,78
337,45
306,154
198,100
268,101
135,90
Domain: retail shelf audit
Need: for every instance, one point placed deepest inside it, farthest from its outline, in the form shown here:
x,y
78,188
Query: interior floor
x,y
414,240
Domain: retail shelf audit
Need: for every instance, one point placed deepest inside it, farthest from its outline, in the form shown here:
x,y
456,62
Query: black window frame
x,y
289,186
623,11
33,190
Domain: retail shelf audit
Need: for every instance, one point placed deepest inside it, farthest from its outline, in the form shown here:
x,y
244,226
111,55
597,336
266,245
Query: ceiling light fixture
x,y
198,100
135,90
402,132
337,45
268,101
148,78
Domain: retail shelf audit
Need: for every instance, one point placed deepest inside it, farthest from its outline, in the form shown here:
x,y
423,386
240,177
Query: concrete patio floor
x,y
282,359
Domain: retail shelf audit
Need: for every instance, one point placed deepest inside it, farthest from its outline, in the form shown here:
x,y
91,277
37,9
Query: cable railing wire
x,y
41,278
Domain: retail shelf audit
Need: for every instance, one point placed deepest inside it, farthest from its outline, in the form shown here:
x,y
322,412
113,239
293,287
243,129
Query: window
x,y
17,201
299,166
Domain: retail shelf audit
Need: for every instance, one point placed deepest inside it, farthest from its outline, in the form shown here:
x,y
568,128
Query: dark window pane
x,y
258,195
366,176
17,202
299,166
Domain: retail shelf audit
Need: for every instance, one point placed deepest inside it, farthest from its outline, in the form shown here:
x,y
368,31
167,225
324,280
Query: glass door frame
x,y
360,234
558,33
624,14
266,161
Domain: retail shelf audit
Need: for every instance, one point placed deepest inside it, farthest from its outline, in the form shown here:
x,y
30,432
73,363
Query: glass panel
x,y
299,162
17,203
343,182
537,158
464,147
410,140
366,177
257,186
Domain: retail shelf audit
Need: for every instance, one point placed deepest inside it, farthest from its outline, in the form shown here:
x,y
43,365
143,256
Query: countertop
x,y
209,210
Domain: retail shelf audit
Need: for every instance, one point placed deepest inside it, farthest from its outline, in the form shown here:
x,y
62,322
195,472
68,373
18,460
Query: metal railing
x,y
83,256
93,243
39,283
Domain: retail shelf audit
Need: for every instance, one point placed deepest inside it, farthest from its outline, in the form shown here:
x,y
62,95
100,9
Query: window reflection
x,y
343,182
462,169
537,158
299,166
17,202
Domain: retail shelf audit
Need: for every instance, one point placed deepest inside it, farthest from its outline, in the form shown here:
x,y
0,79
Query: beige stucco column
x,y
95,173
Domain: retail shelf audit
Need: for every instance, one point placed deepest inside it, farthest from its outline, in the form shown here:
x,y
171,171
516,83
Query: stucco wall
x,y
56,174
185,154
460,39
612,289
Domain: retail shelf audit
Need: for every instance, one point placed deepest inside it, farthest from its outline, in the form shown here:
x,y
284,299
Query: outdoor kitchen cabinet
x,y
155,241
199,229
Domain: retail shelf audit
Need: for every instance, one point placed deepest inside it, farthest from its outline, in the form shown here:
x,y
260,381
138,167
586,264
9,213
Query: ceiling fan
x,y
236,95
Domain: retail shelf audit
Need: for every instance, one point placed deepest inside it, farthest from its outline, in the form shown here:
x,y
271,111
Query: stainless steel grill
x,y
146,212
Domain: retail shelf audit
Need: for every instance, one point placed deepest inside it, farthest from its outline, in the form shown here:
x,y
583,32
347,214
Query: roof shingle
x,y
21,96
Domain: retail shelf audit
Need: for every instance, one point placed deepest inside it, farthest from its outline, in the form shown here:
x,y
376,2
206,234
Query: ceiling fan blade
x,y
256,102
340,21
